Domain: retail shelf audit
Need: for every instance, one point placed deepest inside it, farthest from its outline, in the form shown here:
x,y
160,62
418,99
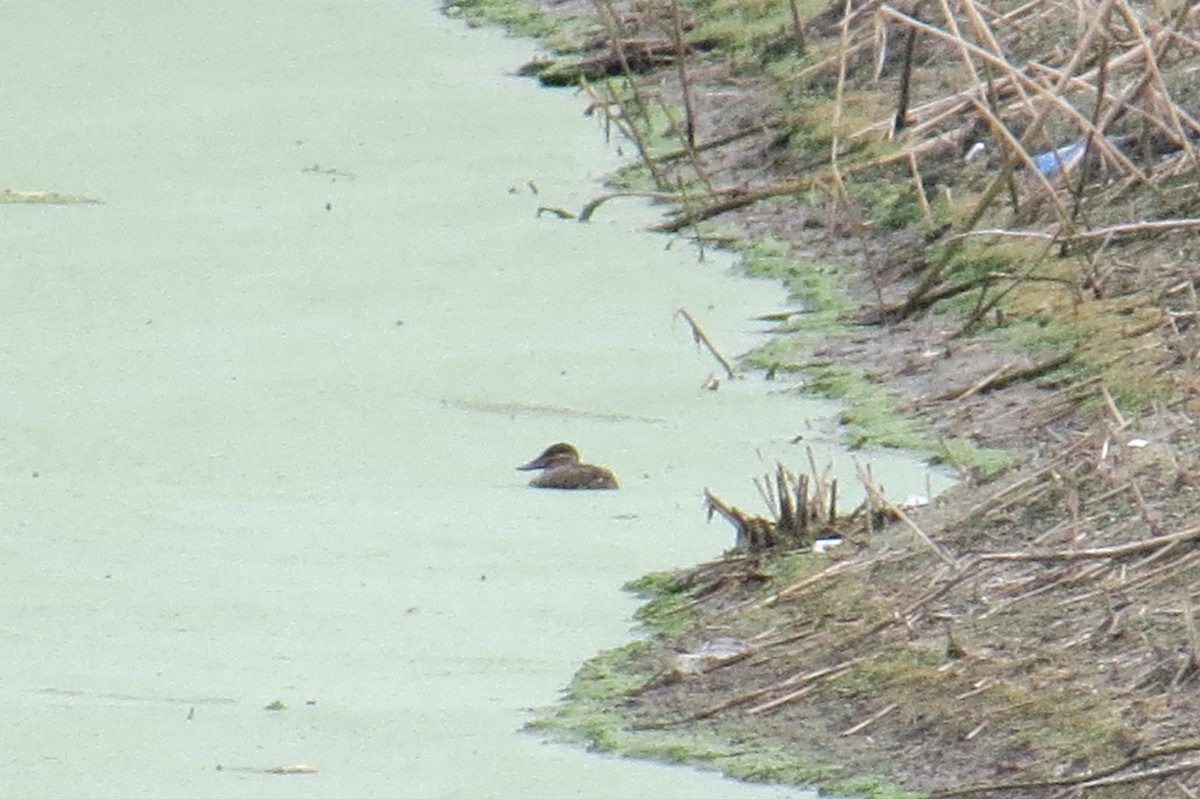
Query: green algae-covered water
x,y
260,409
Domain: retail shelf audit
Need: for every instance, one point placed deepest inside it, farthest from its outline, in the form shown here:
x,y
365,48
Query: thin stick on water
x,y
699,336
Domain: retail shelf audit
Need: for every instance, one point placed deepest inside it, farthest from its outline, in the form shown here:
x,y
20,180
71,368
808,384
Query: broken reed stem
x,y
1154,74
1117,551
793,507
1145,581
700,337
821,487
926,209
1189,623
802,492
840,91
1111,405
1025,488
787,510
900,119
810,679
612,26
1038,93
1145,775
771,704
796,588
797,27
1018,152
689,113
937,548
1106,776
880,502
750,696
862,725
1154,226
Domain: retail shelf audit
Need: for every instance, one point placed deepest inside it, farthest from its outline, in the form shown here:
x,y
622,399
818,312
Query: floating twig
x,y
700,337
299,768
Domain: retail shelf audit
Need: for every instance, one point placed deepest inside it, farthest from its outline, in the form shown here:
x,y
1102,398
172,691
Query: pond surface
x,y
261,408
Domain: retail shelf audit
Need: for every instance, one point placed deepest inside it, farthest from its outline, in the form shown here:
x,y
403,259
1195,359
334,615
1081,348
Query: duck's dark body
x,y
561,469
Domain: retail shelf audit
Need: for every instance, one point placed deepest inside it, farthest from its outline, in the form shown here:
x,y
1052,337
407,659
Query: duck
x,y
561,469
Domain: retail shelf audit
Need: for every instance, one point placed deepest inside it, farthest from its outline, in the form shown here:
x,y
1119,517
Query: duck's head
x,y
560,454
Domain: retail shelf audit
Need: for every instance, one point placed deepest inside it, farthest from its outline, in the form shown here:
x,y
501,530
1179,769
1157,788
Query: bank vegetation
x,y
989,213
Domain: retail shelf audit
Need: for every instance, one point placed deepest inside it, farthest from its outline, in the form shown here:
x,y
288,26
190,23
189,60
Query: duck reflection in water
x,y
561,469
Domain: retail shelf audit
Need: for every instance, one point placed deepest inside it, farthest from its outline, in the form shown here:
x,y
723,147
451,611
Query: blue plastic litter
x,y
1051,162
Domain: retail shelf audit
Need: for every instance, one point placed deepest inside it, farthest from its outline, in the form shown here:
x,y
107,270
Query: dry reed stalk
x,y
797,588
1144,775
878,500
700,337
590,208
1087,82
1155,74
1036,92
735,197
1090,141
797,27
904,91
1189,624
811,630
754,533
979,26
779,701
867,722
1130,228
1033,98
612,26
758,693
711,710
952,24
807,679
982,384
1142,582
1020,26
687,199
1118,551
983,33
1167,571
1064,578
1022,84
681,49
839,93
1110,232
829,62
766,492
1017,152
757,129
1091,777
935,112
1024,489
824,489
1111,405
919,189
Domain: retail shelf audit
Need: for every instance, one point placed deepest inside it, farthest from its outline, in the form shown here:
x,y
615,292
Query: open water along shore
x,y
261,528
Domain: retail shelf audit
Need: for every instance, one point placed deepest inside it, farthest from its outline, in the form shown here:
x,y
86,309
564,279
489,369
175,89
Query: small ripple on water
x,y
117,697
528,408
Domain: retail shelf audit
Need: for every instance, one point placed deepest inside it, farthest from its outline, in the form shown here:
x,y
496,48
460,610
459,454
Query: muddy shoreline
x,y
1031,633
